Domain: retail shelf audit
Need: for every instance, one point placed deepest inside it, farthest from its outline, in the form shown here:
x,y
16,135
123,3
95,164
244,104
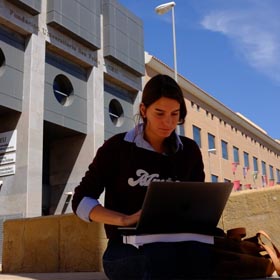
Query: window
x,y
264,177
116,112
2,62
271,173
255,164
246,159
211,141
235,154
197,135
224,149
63,90
263,168
214,178
278,176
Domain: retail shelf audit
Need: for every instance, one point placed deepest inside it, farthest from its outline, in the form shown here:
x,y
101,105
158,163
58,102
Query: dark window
x,y
211,141
278,176
271,173
63,90
116,112
255,164
263,168
214,178
224,149
197,135
235,154
246,159
2,62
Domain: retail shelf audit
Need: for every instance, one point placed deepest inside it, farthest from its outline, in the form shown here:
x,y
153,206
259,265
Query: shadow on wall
x,y
61,149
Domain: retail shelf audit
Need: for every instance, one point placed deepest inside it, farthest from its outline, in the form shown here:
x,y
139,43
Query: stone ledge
x,y
64,243
257,209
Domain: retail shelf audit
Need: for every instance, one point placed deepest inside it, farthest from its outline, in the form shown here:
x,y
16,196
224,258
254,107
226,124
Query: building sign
x,y
8,145
9,169
123,75
7,158
8,141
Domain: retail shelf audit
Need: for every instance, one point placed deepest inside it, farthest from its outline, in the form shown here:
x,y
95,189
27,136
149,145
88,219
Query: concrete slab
x,y
55,276
72,276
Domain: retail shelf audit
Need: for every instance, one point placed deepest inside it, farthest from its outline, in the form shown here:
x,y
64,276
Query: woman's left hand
x,y
129,220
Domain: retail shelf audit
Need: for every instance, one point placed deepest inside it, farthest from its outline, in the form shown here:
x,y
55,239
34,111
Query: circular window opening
x,y
116,112
2,62
63,90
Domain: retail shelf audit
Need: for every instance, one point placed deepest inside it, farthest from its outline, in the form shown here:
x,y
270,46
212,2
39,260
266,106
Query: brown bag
x,y
240,257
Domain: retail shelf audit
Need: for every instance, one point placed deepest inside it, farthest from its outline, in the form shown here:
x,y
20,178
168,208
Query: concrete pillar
x,y
94,138
30,127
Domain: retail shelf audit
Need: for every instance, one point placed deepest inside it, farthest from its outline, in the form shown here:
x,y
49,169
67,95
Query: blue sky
x,y
228,48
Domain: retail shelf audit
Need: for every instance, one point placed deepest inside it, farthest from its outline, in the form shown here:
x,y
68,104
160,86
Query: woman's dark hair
x,y
164,86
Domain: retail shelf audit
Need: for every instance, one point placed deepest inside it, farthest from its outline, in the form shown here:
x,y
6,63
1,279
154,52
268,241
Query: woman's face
x,y
161,117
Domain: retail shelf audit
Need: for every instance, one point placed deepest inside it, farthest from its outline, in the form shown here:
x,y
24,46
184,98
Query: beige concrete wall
x,y
63,243
59,243
255,210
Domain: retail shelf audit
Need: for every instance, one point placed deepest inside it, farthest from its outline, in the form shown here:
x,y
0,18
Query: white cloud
x,y
254,32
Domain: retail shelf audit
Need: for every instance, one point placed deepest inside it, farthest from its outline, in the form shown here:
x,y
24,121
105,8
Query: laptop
x,y
177,207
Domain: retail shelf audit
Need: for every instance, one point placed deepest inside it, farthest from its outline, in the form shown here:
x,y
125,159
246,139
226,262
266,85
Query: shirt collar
x,y
135,135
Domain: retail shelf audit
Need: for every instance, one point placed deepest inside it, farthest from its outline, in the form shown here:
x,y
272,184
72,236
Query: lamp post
x,y
210,151
162,9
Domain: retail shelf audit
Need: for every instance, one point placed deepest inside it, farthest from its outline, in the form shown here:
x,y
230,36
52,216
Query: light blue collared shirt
x,y
135,135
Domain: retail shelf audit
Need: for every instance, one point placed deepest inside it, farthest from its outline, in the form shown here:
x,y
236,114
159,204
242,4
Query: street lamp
x,y
210,151
162,9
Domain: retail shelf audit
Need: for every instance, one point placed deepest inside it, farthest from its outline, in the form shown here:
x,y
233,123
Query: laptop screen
x,y
172,207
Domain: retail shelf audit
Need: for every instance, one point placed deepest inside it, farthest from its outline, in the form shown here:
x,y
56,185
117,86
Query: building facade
x,y
71,76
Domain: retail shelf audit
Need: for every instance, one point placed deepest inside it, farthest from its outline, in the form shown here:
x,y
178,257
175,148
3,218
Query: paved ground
x,y
68,276
55,276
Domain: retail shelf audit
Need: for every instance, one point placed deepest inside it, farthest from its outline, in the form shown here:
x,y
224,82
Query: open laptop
x,y
176,207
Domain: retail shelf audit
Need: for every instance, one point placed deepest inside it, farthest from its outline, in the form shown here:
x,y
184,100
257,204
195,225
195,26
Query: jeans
x,y
180,260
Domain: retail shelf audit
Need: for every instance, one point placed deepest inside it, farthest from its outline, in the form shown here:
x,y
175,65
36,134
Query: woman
x,y
124,166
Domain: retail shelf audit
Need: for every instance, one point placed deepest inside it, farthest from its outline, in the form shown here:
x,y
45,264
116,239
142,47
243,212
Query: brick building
x,y
234,149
